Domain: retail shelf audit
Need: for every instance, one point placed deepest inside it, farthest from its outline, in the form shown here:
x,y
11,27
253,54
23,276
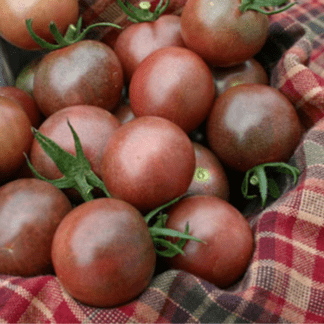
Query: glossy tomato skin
x,y
15,137
86,73
94,127
173,83
148,162
250,71
229,242
252,124
139,40
30,212
220,33
15,12
103,253
210,177
25,100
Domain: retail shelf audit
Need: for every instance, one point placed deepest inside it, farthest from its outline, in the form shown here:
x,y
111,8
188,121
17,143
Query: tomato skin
x,y
251,124
25,100
94,127
173,83
220,33
228,238
147,162
250,71
15,12
30,211
139,40
212,179
86,73
15,137
103,253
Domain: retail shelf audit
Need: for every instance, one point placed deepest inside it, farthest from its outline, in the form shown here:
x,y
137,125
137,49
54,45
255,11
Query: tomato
x,y
139,40
15,12
94,127
210,177
173,83
252,124
15,137
30,212
85,73
220,33
103,253
250,71
229,242
25,100
148,162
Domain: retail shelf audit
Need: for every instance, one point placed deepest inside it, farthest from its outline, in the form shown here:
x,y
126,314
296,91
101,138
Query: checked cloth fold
x,y
285,280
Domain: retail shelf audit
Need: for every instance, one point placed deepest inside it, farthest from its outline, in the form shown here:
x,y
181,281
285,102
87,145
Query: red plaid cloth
x,y
285,280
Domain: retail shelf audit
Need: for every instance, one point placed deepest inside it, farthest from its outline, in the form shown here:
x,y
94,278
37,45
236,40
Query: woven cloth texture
x,y
285,280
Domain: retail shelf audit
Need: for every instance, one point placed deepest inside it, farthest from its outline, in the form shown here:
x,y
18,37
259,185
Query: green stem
x,y
258,5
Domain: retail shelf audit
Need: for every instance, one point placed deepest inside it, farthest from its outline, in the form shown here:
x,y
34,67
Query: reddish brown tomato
x,y
209,177
15,12
30,212
228,247
173,83
15,137
86,73
148,162
103,253
252,124
25,100
94,127
220,33
139,40
250,71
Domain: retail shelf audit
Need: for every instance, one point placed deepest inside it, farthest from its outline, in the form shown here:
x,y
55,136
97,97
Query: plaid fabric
x,y
285,280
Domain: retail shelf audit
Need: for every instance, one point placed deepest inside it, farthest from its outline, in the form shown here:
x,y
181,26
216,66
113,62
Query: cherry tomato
x,y
220,33
15,12
139,40
30,212
250,71
229,243
15,137
173,83
209,177
25,100
85,73
103,253
148,162
252,124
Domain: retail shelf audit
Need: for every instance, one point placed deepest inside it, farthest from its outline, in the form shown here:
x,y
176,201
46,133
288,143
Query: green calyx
x,y
257,177
72,35
159,232
76,169
143,13
267,7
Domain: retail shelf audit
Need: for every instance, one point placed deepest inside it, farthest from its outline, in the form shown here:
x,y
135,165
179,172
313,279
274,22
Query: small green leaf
x,y
257,5
273,188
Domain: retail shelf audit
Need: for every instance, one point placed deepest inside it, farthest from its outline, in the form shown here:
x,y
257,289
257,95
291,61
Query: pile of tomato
x,y
107,152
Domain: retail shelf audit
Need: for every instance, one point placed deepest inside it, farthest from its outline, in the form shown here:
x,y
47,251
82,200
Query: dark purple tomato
x,y
250,71
209,177
103,253
15,12
30,212
229,242
220,33
139,40
148,162
15,137
173,83
252,124
25,100
94,127
85,73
